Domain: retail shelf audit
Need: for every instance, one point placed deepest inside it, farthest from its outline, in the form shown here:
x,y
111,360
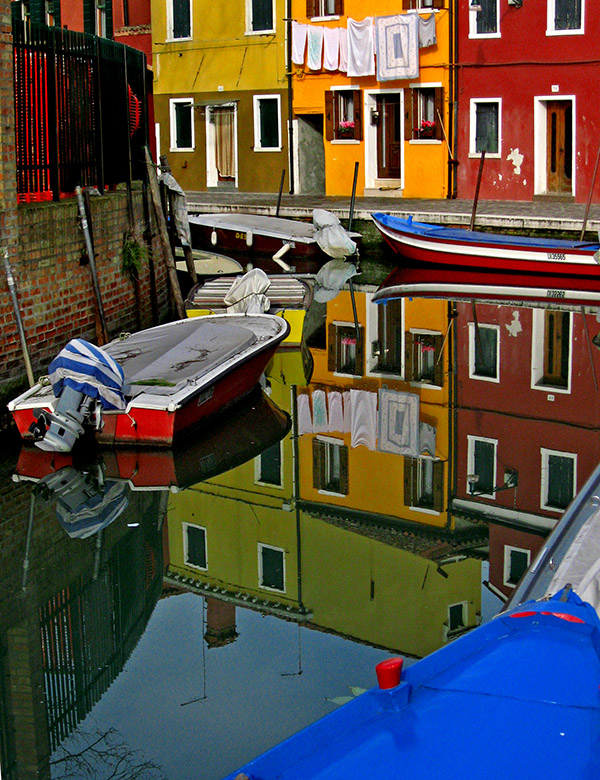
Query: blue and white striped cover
x,y
90,370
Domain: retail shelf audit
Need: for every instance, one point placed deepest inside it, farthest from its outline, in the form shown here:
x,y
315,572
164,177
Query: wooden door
x,y
388,137
559,146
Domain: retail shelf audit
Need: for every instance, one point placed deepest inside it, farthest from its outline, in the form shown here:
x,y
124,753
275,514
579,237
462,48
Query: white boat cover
x,y
89,370
333,239
247,294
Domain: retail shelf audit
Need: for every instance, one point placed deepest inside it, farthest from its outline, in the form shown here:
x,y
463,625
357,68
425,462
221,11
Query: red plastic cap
x,y
389,672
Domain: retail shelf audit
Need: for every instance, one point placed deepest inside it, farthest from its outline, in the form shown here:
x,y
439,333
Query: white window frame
x,y
471,463
545,470
249,30
257,470
256,109
551,30
465,612
473,127
332,442
506,566
173,126
537,354
473,24
185,526
372,336
260,548
170,31
473,352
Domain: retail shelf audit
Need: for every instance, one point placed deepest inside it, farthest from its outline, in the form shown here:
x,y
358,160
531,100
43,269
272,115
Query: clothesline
x,y
386,45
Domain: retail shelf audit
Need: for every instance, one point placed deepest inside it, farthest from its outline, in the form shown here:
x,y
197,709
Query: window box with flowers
x,y
346,129
427,129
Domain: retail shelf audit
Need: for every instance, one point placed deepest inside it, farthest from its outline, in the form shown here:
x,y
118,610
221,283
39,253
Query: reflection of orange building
x,y
378,405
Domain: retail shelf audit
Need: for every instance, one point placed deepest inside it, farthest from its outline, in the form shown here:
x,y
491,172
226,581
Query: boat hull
x,y
426,243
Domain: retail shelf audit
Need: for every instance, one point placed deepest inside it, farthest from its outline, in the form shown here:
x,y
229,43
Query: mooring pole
x,y
280,192
12,288
351,283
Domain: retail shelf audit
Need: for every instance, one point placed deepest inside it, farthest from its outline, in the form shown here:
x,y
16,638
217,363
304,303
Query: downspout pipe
x,y
288,16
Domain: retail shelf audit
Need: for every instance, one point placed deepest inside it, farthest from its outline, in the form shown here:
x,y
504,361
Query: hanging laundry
x,y
331,48
427,35
304,416
299,33
364,419
319,405
336,411
361,52
397,40
427,437
343,49
314,56
347,398
398,424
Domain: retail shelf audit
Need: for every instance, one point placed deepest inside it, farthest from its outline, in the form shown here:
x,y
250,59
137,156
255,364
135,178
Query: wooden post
x,y
187,250
589,202
164,235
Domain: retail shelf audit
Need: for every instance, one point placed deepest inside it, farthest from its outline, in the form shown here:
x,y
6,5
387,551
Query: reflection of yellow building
x,y
390,378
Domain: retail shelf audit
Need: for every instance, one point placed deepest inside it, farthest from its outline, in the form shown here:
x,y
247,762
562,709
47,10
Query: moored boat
x,y
443,282
151,387
440,244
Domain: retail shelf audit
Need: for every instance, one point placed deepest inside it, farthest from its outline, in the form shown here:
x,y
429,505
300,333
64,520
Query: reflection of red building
x,y
525,76
528,413
125,21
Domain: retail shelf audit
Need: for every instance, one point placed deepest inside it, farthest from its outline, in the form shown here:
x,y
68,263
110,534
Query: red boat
x,y
428,281
151,387
462,248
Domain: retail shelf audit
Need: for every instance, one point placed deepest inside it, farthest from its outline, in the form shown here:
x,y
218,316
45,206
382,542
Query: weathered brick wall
x,y
55,291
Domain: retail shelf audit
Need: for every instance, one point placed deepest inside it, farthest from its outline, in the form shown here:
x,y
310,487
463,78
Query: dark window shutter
x,y
331,348
408,481
344,477
408,111
438,486
89,17
437,4
357,100
37,11
438,342
338,8
269,127
56,12
439,112
183,125
409,370
262,15
108,13
311,8
407,5
318,448
329,116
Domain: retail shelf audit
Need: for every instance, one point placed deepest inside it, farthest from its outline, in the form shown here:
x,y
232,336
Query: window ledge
x,y
267,149
181,149
488,155
178,40
425,511
479,378
259,32
424,141
323,18
552,33
331,493
478,37
551,389
344,141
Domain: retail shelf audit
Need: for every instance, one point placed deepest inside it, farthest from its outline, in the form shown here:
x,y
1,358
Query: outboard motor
x,y
83,377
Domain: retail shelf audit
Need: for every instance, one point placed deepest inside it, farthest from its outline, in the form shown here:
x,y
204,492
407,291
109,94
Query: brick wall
x,y
55,291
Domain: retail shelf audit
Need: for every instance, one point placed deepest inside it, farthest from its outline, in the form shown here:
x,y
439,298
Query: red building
x,y
527,423
526,82
125,21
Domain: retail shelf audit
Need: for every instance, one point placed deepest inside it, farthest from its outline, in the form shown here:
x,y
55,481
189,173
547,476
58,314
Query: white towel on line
x,y
361,51
364,419
427,35
299,33
314,56
319,405
343,49
336,411
304,415
331,48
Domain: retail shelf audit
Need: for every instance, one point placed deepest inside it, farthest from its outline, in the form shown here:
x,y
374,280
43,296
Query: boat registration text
x,y
555,293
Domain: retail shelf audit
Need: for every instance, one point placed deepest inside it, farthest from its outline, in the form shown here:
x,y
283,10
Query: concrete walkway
x,y
538,215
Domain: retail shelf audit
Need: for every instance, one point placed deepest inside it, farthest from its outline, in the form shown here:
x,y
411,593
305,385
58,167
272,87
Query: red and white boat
x,y
462,248
151,387
466,284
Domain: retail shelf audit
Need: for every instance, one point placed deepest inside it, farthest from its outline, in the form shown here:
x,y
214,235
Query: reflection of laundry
x,y
336,411
299,33
343,49
314,56
347,397
399,423
397,39
319,405
427,439
331,48
361,52
304,415
427,31
363,419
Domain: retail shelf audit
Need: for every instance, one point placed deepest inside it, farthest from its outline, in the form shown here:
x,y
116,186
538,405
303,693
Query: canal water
x,y
173,613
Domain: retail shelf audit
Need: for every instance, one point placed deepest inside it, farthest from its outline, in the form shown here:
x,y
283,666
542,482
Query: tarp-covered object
x,y
331,236
331,278
247,294
180,210
89,370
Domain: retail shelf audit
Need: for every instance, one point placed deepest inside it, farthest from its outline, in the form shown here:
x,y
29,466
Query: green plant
x,y
134,254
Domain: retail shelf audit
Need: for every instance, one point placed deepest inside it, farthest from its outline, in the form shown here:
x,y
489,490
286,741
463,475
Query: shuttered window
x,y
567,14
330,466
423,360
317,8
195,546
422,106
343,115
345,351
487,127
557,345
424,483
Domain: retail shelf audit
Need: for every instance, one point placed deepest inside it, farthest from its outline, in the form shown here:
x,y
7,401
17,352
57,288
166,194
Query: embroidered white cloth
x,y
363,419
304,415
399,423
314,42
427,438
331,48
343,66
361,51
299,32
319,405
397,39
427,35
336,411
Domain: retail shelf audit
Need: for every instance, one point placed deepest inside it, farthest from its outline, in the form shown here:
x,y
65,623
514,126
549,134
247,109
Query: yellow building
x,y
221,92
379,404
398,128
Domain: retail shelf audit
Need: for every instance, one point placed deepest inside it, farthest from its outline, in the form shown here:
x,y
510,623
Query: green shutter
x,y
89,17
